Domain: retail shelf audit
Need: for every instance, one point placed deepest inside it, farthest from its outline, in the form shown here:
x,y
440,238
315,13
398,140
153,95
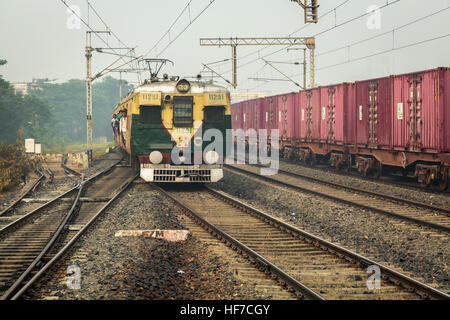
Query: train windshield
x,y
183,111
214,114
150,114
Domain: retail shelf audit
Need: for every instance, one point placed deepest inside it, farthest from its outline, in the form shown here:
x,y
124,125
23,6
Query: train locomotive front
x,y
164,124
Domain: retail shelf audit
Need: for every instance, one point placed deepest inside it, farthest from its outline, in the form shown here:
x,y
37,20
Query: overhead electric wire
x,y
320,33
355,18
170,28
298,30
380,35
89,27
117,38
385,51
190,23
384,33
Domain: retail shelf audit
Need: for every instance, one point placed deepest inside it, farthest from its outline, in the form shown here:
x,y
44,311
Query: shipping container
x,y
288,116
373,113
348,115
314,113
270,110
421,117
302,116
324,127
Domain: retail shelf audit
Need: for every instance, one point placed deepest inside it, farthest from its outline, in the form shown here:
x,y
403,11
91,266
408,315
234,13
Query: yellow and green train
x,y
164,118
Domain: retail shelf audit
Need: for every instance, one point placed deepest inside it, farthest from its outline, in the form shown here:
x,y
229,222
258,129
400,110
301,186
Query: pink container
x,y
446,92
324,103
235,116
261,114
309,114
315,111
302,115
288,110
253,114
336,115
373,112
421,117
270,113
348,115
340,119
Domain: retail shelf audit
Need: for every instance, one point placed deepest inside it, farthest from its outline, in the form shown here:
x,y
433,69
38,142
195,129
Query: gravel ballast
x,y
422,253
141,268
433,198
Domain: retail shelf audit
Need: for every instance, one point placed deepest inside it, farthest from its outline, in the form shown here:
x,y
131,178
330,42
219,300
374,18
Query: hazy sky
x,y
37,42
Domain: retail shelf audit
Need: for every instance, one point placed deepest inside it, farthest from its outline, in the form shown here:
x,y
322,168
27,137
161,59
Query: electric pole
x,y
89,79
308,42
311,10
304,66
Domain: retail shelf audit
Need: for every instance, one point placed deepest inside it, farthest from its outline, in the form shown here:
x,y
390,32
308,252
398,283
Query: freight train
x,y
397,123
163,119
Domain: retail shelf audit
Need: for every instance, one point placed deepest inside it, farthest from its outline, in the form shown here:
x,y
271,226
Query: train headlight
x,y
211,157
156,157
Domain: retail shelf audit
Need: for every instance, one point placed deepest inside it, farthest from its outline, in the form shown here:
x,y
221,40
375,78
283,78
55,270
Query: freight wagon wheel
x,y
348,164
378,170
443,182
312,160
426,182
404,172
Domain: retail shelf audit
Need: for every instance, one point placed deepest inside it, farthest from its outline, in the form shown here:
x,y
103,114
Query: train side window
x,y
214,114
150,114
183,111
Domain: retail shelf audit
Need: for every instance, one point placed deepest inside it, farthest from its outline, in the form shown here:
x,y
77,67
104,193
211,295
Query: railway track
x,y
8,213
396,180
30,245
27,191
311,267
434,217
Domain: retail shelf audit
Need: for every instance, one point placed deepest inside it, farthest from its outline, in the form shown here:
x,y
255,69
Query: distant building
x,y
23,88
26,87
238,97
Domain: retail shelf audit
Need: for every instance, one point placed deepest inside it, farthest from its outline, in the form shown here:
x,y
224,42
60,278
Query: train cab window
x,y
214,114
183,111
150,114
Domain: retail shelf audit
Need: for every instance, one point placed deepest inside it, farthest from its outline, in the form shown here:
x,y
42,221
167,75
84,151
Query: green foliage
x,y
68,106
55,114
14,163
3,62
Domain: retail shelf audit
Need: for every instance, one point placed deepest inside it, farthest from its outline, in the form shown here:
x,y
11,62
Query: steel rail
x,y
408,282
68,169
392,180
13,288
359,190
66,247
47,247
32,213
372,193
27,191
266,264
329,196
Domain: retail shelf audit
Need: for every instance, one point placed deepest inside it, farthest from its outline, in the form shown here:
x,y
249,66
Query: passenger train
x,y
164,124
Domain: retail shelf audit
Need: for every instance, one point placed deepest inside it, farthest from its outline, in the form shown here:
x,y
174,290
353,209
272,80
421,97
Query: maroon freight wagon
x,y
399,122
289,125
327,123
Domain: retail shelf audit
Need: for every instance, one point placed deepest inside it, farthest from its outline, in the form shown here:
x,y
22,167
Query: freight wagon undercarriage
x,y
428,168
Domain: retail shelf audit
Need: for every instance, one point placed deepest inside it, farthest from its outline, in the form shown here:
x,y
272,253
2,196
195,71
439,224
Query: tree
x,y
56,112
